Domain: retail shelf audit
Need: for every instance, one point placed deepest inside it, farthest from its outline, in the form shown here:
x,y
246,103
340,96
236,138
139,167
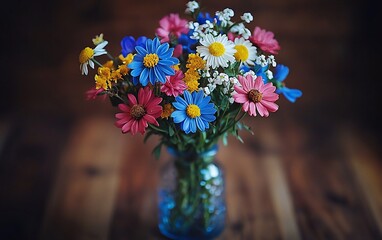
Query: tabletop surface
x,y
86,180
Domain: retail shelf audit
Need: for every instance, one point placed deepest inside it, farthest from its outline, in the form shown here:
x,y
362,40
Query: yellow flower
x,y
101,82
126,60
192,85
191,75
109,64
195,62
123,69
115,75
167,110
98,39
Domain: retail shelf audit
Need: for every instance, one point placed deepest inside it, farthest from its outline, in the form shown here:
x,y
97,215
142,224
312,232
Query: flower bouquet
x,y
191,84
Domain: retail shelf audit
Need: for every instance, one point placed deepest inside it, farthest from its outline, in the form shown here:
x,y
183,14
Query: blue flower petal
x,y
144,77
208,117
179,106
136,72
281,72
290,94
162,49
193,125
180,100
141,51
179,116
187,124
200,124
188,97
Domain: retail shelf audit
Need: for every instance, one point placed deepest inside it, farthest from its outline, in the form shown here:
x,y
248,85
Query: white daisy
x,y
216,51
246,53
87,54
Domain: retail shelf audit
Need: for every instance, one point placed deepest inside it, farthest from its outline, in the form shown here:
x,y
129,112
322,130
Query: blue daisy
x,y
193,111
153,62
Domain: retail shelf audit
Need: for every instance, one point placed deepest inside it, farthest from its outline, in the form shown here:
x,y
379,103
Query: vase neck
x,y
192,156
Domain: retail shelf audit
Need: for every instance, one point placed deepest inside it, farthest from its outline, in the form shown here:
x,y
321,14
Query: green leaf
x,y
157,150
148,134
171,131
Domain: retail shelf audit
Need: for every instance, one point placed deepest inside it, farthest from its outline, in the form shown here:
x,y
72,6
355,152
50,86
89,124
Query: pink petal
x,y
123,107
142,125
240,90
270,97
246,106
262,110
258,83
132,99
127,127
240,98
150,119
252,109
272,107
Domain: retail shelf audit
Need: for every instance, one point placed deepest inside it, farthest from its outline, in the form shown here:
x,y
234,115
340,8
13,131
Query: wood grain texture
x,y
82,202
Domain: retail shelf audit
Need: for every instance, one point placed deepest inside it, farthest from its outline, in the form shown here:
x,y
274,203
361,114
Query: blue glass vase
x,y
192,196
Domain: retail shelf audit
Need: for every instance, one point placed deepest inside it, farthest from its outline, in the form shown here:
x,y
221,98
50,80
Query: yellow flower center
x,y
150,60
137,111
216,49
241,53
255,96
193,111
86,54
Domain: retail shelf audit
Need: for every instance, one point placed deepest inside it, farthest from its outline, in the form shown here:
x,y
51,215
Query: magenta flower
x,y
174,85
171,25
92,94
255,95
265,40
137,114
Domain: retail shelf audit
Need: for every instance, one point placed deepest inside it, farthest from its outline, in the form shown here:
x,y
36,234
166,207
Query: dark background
x,y
331,47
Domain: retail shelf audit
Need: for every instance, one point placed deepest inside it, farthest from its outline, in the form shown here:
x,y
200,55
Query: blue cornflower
x,y
128,44
193,111
260,71
203,17
281,72
153,62
188,44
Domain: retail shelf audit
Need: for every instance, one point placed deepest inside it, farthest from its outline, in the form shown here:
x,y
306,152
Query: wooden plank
x,y
361,152
135,213
251,214
328,203
82,201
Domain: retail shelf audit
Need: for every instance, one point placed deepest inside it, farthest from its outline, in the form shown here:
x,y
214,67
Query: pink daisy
x,y
255,95
92,94
265,40
174,85
137,114
171,25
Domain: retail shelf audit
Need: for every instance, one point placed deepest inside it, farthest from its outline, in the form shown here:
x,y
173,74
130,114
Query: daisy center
x,y
255,96
150,60
241,53
86,54
137,111
216,49
193,111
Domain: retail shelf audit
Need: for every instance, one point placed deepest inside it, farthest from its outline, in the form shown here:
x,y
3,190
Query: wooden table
x,y
83,179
